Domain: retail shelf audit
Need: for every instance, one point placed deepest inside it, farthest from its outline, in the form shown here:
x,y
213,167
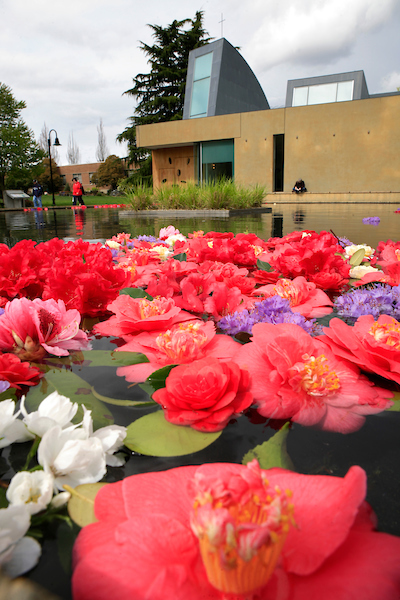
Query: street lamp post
x,y
56,143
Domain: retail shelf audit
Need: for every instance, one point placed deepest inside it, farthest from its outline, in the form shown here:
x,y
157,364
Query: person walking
x,y
37,191
77,192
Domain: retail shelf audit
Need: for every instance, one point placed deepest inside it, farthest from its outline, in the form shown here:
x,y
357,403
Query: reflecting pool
x,y
345,220
375,447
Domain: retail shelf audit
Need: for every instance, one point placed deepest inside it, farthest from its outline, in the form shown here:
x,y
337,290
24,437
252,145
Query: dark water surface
x,y
100,224
375,447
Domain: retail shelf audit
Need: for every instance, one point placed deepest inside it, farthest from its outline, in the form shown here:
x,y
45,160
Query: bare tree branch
x,y
102,151
73,154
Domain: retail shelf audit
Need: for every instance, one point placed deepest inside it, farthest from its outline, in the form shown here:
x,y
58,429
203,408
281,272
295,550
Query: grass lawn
x,y
47,200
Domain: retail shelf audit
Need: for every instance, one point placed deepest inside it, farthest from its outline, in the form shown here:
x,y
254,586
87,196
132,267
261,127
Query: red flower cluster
x,y
316,256
81,274
387,256
17,373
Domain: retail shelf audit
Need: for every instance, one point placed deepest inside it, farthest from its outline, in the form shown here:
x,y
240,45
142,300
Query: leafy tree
x,y
160,93
102,149
44,178
109,172
19,152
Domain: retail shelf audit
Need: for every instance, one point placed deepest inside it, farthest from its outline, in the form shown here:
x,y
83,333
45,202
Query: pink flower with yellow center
x,y
182,343
134,315
233,532
306,381
32,328
304,296
372,345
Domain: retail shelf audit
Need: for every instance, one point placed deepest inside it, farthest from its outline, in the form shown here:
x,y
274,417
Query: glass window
x,y
200,93
322,94
217,160
202,66
345,91
300,96
341,91
201,85
78,176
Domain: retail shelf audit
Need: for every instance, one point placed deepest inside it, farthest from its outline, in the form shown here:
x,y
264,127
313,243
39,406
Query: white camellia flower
x,y
70,458
360,271
18,554
60,500
350,250
11,428
111,437
32,490
53,410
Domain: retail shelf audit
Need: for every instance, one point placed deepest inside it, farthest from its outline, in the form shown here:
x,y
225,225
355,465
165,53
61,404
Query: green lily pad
x,y
264,266
103,358
81,503
119,402
357,258
76,389
135,293
272,453
152,435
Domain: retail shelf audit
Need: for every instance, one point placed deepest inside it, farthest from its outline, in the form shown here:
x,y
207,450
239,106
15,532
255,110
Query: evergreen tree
x,y
19,153
160,93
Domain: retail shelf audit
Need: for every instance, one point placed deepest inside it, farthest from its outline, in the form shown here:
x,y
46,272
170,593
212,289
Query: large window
x,y
201,86
215,160
340,91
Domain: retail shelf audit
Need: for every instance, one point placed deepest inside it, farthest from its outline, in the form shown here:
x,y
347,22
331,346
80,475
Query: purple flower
x,y
371,221
4,385
271,310
344,241
147,238
382,299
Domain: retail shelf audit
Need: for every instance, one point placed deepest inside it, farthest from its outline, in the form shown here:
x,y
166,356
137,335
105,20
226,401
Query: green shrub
x,y
223,194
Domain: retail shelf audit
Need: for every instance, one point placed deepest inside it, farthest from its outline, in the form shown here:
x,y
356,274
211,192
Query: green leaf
x,y
357,258
182,257
104,358
272,453
396,405
119,402
76,389
9,394
135,293
3,498
81,503
264,266
157,379
152,435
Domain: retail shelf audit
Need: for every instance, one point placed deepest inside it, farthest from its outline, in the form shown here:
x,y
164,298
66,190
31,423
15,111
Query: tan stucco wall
x,y
342,147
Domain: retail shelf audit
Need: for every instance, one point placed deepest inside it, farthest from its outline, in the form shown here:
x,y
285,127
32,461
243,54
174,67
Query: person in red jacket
x,y
77,191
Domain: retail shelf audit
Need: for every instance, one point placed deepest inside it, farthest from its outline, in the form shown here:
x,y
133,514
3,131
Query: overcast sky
x,y
72,61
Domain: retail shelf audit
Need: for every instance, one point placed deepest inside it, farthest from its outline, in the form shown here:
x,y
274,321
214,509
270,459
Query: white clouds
x,y
313,31
390,82
72,64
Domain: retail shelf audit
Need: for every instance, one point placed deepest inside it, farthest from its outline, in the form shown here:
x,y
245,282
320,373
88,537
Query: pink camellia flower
x,y
222,531
133,315
30,328
296,376
204,394
166,232
304,296
183,343
372,345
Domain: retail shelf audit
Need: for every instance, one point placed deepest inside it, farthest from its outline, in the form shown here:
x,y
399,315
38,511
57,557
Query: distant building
x,y
84,174
331,133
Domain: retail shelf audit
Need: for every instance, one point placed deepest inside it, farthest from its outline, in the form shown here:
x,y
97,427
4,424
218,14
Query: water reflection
x,y
345,220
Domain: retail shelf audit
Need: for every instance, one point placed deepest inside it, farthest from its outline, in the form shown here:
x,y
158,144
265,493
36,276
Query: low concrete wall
x,y
328,198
